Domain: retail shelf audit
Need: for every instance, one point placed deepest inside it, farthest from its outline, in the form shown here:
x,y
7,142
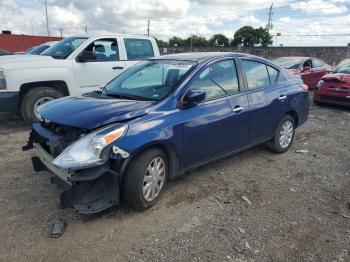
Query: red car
x,y
335,88
310,69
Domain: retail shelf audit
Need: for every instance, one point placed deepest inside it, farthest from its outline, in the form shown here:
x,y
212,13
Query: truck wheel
x,y
33,99
284,135
144,179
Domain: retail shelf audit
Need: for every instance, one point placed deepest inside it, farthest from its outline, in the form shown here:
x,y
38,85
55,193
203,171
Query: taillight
x,y
305,87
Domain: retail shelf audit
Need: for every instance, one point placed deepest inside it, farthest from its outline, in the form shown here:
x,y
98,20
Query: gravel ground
x,y
254,206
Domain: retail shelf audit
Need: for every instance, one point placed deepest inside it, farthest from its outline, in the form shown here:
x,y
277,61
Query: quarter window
x,y
273,74
217,80
138,49
256,74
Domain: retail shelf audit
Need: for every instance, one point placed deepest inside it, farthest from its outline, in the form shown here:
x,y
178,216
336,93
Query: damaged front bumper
x,y
87,191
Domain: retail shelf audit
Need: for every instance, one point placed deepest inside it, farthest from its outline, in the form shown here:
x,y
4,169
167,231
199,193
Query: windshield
x,y
64,48
38,50
343,67
149,80
288,62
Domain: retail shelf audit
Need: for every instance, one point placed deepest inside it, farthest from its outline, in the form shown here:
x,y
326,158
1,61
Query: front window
x,y
288,62
102,50
343,67
64,48
217,80
149,80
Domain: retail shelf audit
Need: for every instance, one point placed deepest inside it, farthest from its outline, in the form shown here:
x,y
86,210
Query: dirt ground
x,y
297,206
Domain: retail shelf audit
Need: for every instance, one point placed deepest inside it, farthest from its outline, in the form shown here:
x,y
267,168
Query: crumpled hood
x,y
90,112
338,76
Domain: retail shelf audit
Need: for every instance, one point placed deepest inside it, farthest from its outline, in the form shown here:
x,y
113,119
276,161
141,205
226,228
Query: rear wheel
x,y
284,135
35,98
145,179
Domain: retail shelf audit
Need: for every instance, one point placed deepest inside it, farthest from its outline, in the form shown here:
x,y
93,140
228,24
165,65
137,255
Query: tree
x,y
161,43
176,41
264,37
196,40
248,36
219,40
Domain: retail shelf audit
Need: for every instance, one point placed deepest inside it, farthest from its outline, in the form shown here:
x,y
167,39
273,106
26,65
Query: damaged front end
x,y
84,164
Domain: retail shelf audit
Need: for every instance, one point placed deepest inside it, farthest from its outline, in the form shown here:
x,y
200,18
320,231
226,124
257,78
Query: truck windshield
x,y
64,48
149,80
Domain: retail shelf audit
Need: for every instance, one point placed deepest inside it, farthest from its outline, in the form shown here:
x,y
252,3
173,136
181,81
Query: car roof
x,y
201,56
87,36
297,57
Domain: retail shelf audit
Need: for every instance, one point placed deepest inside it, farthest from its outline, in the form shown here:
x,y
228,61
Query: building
x,y
18,43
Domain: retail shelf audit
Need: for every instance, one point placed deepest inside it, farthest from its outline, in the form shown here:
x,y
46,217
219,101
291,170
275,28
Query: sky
x,y
300,22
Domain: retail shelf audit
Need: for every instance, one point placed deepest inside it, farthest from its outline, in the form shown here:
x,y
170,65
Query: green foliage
x,y
176,41
161,43
219,40
199,41
248,36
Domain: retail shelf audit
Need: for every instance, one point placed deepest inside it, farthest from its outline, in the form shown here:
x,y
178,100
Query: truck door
x,y
97,65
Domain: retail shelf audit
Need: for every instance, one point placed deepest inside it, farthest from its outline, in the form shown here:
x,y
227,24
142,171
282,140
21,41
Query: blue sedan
x,y
161,118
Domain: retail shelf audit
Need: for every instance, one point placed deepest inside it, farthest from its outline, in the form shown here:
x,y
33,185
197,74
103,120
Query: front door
x,y
219,124
102,64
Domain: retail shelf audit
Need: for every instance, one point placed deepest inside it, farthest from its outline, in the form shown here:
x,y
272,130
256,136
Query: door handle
x,y
282,98
238,109
117,67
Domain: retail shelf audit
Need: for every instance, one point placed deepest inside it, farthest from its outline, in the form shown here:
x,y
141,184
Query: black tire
x,y
30,99
132,184
274,144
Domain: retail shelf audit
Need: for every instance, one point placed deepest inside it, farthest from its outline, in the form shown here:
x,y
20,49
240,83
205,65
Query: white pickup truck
x,y
74,66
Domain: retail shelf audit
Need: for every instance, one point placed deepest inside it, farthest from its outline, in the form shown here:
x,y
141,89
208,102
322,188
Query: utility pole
x,y
191,43
269,24
148,26
61,32
85,29
47,20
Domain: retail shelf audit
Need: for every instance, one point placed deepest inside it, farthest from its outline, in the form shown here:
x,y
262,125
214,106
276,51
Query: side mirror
x,y
193,97
86,56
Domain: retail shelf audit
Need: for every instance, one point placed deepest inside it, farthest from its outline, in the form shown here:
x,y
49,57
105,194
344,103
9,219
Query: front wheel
x,y
284,135
145,179
35,98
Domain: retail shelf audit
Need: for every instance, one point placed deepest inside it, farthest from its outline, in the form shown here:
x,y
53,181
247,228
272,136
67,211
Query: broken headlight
x,y
90,150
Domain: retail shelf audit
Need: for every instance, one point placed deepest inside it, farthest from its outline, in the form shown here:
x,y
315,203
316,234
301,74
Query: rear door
x,y
267,100
318,70
307,73
103,65
213,128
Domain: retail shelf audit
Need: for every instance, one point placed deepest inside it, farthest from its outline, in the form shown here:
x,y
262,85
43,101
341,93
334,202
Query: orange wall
x,y
16,43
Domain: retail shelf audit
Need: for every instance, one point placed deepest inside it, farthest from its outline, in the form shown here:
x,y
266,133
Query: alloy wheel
x,y
154,178
286,134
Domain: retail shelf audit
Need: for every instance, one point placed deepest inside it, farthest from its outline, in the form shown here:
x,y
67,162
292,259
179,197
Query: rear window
x,y
138,49
256,73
